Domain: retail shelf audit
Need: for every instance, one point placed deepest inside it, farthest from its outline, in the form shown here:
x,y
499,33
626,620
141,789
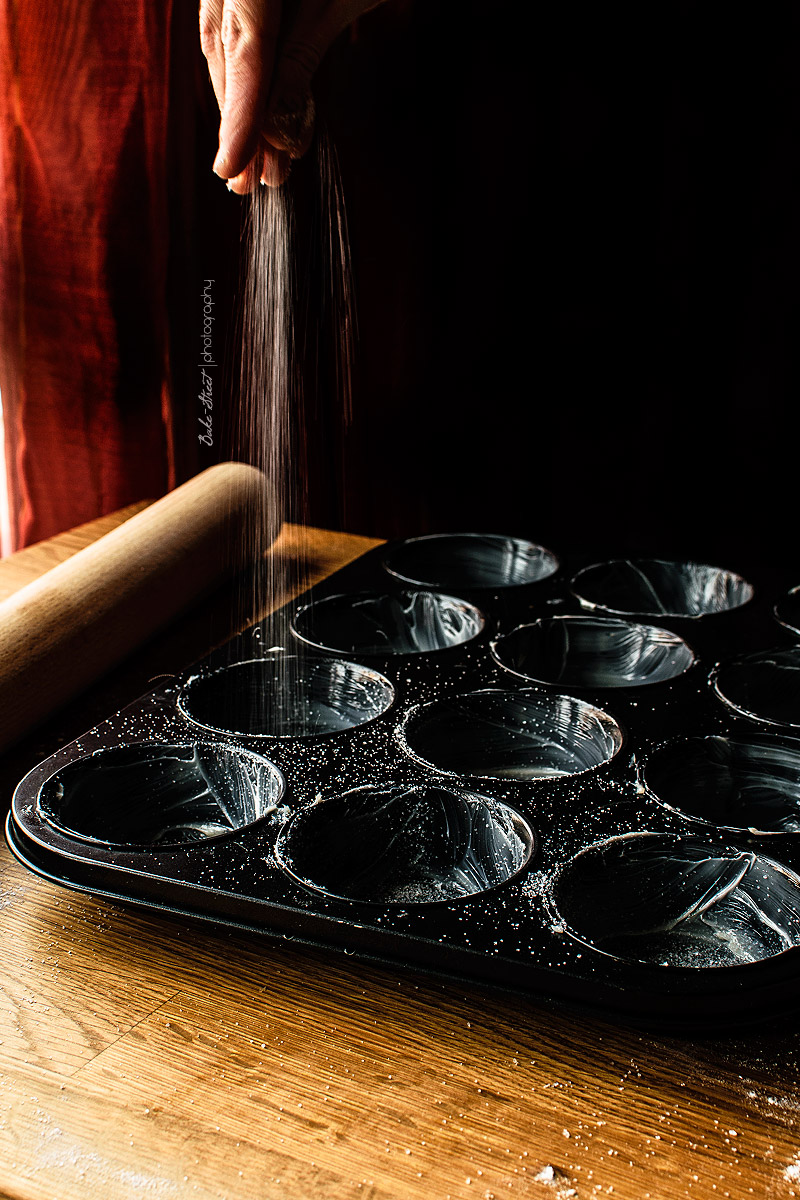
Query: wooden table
x,y
142,1056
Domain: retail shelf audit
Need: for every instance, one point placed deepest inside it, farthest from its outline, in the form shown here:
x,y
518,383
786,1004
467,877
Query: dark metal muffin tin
x,y
581,780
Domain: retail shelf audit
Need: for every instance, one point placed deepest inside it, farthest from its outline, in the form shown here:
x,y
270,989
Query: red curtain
x,y
84,369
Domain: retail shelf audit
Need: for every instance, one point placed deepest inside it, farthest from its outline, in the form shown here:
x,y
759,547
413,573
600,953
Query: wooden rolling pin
x,y
62,631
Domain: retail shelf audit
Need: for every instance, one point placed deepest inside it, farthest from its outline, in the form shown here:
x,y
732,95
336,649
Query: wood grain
x,y
27,565
63,630
142,1055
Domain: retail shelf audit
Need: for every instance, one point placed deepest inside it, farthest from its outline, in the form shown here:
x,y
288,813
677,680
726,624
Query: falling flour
x,y
270,431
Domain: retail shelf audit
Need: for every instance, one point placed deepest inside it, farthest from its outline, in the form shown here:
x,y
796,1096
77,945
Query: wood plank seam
x,y
145,1017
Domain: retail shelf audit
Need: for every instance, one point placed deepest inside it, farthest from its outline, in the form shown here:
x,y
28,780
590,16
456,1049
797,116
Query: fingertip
x,y
246,181
241,184
275,168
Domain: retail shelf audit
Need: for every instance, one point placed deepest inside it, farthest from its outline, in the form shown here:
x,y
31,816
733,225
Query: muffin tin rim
x,y
592,605
410,711
320,661
739,710
793,629
593,688
390,654
154,847
531,840
740,830
560,922
466,586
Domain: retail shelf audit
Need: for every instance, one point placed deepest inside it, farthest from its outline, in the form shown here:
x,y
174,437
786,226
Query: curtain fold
x,y
84,91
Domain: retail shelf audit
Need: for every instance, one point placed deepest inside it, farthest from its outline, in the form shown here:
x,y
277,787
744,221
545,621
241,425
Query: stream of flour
x,y
271,429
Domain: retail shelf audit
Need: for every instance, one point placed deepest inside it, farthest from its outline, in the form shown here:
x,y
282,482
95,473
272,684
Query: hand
x,y
262,60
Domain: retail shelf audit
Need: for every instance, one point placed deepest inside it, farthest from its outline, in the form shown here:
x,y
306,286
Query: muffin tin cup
x,y
405,845
656,587
594,653
522,735
470,562
286,696
764,687
787,612
742,783
678,901
380,624
151,795
445,806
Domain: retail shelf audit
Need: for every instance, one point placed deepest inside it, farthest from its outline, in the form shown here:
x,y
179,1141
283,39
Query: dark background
x,y
575,251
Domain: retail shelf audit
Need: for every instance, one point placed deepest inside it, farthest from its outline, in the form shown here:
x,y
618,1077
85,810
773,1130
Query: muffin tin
x,y
580,780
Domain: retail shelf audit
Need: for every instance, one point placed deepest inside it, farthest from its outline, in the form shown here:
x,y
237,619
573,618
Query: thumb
x,y
289,119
